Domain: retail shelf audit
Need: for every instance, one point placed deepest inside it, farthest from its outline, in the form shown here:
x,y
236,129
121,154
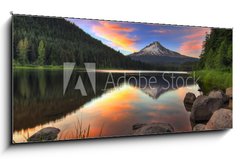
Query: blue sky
x,y
131,37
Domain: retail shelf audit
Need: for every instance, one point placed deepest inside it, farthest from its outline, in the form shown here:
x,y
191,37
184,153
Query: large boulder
x,y
219,95
229,92
203,108
152,128
188,100
45,134
199,127
221,119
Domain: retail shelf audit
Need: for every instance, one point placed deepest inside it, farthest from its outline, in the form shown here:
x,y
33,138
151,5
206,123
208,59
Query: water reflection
x,y
39,102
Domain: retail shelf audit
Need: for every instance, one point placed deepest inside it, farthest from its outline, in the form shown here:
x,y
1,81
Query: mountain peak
x,y
158,55
156,49
155,43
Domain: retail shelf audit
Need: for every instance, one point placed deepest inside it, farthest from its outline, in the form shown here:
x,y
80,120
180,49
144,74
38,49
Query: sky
x,y
128,37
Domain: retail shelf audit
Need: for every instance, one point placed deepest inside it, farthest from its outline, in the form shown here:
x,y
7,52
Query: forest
x,y
217,50
49,42
215,65
45,41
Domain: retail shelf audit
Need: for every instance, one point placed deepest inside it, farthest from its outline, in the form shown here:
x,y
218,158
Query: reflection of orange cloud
x,y
192,45
181,92
116,104
114,107
116,34
180,121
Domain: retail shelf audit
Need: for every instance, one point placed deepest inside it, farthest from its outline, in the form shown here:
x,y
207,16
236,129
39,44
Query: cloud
x,y
192,41
197,33
191,48
163,31
174,30
117,34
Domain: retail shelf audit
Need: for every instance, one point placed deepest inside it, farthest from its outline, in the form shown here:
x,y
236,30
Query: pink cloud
x,y
117,34
193,41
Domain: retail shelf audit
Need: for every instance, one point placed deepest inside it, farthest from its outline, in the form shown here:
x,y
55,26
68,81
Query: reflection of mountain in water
x,y
39,99
164,84
154,92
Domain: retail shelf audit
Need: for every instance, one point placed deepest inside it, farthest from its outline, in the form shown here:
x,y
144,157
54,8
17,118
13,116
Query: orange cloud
x,y
196,33
116,34
193,41
116,27
191,48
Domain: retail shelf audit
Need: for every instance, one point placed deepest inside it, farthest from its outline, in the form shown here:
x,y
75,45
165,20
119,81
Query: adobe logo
x,y
68,68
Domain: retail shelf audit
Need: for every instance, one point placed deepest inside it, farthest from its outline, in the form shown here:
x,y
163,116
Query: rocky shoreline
x,y
211,112
207,112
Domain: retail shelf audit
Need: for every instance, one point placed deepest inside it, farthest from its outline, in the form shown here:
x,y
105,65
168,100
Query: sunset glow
x,y
129,37
116,34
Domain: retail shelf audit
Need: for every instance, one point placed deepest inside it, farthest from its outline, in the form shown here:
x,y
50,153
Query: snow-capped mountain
x,y
157,54
156,49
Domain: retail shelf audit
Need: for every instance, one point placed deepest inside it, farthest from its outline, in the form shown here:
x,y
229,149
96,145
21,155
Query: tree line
x,y
217,50
53,41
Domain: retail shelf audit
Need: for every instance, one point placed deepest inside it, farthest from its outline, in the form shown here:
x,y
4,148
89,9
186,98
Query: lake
x,y
109,110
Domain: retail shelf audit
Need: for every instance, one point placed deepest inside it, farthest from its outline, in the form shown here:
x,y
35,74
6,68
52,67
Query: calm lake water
x,y
109,111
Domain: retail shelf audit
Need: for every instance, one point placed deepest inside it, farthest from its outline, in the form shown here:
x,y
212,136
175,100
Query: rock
x,y
199,127
154,128
229,104
219,94
229,92
138,125
203,108
221,119
188,100
45,134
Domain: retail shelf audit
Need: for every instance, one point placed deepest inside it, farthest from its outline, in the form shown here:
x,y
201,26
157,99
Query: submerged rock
x,y
203,108
45,134
188,101
221,119
199,127
153,128
138,125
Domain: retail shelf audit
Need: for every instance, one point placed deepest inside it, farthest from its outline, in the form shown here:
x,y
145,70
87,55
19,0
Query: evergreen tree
x,y
23,49
41,53
217,50
52,41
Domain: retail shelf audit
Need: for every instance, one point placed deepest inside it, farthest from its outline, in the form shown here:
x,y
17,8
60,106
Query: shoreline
x,y
98,70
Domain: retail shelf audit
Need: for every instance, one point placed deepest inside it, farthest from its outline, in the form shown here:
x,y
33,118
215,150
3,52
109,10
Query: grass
x,y
53,67
79,132
213,79
35,67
